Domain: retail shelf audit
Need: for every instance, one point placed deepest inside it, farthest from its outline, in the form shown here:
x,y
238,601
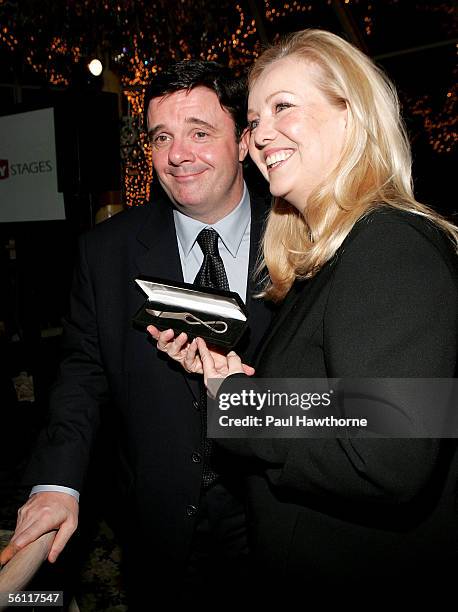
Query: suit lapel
x,y
259,212
161,257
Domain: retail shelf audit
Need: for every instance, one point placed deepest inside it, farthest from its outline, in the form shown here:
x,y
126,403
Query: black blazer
x,y
348,511
112,371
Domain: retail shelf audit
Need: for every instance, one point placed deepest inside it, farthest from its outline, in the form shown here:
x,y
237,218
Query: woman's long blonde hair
x,y
374,169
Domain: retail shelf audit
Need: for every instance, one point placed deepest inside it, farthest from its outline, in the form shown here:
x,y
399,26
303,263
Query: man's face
x,y
195,153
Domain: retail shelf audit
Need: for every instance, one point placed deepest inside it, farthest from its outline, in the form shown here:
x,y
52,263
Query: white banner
x,y
28,172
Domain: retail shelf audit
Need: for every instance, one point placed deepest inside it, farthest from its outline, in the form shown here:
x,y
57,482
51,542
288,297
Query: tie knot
x,y
208,241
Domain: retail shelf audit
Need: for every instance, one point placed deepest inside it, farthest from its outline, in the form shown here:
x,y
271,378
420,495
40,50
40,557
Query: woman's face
x,y
297,135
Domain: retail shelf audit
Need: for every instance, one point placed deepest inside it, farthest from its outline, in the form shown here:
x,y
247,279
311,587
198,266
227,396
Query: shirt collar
x,y
231,228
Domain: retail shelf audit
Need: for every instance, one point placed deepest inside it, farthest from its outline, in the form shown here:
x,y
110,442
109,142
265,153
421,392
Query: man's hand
x,y
188,354
41,513
177,348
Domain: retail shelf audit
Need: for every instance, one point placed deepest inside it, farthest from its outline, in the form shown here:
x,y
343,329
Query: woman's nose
x,y
264,133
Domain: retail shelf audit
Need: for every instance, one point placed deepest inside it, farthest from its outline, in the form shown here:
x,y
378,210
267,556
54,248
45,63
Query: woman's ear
x,y
346,110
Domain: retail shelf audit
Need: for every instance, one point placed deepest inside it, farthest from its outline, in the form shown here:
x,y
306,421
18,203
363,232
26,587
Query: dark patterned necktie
x,y
211,274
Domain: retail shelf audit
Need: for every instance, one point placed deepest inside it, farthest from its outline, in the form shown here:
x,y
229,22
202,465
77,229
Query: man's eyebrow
x,y
154,130
197,121
191,120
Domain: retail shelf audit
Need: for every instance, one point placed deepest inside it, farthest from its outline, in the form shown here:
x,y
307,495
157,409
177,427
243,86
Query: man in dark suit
x,y
183,506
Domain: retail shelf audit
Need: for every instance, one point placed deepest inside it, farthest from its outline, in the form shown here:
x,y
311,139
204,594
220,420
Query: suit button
x,y
196,457
196,405
191,510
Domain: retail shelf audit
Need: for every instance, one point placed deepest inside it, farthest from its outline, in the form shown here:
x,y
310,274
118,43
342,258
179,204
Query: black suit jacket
x,y
351,511
114,371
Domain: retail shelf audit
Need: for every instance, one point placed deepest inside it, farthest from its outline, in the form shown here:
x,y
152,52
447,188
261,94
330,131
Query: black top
x,y
354,510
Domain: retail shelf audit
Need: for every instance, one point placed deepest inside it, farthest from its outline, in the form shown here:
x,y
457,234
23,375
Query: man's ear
x,y
243,144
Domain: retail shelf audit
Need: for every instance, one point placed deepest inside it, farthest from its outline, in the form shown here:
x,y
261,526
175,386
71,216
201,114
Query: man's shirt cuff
x,y
56,488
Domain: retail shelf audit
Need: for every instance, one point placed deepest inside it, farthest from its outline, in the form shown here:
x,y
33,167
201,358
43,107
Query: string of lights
x,y
138,37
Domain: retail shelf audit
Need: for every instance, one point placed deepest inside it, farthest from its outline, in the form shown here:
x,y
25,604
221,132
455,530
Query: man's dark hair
x,y
188,74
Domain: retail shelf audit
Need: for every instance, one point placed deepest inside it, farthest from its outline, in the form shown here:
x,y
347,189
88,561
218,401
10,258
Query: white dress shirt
x,y
234,244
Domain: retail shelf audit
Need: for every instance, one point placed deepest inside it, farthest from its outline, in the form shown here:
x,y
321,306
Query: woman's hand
x,y
217,366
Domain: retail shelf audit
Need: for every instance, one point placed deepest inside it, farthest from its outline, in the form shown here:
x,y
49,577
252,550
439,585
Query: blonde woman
x,y
366,279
